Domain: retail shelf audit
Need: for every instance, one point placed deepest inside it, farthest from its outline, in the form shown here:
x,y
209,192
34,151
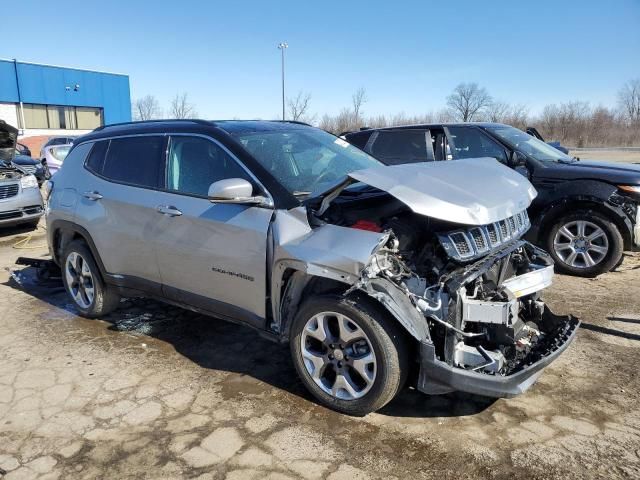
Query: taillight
x,y
367,225
60,152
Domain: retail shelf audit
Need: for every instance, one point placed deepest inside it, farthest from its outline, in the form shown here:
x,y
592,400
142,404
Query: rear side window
x,y
95,162
135,161
358,139
401,146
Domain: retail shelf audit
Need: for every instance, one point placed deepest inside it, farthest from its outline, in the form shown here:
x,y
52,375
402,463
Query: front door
x,y
471,142
211,255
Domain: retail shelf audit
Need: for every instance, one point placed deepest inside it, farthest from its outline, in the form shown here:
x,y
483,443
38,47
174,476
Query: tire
x,y
102,299
384,338
605,251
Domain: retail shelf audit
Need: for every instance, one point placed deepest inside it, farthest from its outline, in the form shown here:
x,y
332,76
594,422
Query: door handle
x,y
92,195
168,210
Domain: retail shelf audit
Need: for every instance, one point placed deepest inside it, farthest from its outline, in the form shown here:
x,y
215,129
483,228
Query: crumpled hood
x,y
475,191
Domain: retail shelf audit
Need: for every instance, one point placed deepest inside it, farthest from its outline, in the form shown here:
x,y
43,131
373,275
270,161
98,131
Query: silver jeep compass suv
x,y
375,275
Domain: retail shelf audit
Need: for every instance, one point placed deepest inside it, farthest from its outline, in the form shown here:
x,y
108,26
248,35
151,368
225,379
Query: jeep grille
x,y
476,241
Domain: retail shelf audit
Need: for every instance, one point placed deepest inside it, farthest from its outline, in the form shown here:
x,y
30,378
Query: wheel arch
x,y
295,284
63,232
549,216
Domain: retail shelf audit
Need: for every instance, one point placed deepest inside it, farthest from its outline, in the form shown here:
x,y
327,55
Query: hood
x,y
611,172
25,160
8,139
475,191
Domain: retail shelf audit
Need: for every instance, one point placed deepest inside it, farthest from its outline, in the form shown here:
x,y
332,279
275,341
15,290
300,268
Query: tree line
x,y
574,123
148,108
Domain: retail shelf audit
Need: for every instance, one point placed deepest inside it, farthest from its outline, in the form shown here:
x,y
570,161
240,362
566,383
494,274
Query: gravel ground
x,y
158,392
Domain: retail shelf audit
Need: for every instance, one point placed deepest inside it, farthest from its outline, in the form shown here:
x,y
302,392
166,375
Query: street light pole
x,y
282,46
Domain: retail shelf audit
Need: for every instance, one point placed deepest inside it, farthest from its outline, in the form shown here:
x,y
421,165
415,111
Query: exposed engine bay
x,y
477,286
10,173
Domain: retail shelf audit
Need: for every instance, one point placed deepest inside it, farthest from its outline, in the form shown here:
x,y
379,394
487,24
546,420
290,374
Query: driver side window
x,y
468,142
194,163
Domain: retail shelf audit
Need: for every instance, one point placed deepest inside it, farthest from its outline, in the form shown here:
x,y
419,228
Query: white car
x,y
53,156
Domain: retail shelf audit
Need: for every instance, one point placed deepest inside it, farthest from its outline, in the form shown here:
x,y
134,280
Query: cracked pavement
x,y
154,391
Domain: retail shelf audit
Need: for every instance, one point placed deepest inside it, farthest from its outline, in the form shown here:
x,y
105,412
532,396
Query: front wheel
x,y
349,354
585,243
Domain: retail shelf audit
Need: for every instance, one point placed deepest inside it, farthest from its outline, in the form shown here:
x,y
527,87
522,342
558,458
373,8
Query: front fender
x,y
338,254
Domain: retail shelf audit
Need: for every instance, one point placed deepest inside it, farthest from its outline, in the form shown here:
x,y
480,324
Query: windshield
x,y
304,160
529,145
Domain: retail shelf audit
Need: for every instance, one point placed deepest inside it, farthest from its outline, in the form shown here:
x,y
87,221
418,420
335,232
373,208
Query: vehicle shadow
x,y
219,345
624,320
610,331
22,229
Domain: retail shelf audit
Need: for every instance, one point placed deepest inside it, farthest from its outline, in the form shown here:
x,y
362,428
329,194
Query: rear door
x,y
394,147
211,255
118,205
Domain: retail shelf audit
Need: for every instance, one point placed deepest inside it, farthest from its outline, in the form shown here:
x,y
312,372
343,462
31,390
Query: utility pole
x,y
282,46
15,70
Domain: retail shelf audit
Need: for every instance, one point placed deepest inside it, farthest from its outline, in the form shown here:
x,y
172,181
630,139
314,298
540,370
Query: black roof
x,y
429,125
164,124
221,130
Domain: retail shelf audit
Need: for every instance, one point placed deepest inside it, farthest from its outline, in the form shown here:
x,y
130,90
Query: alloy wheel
x,y
338,355
581,244
79,280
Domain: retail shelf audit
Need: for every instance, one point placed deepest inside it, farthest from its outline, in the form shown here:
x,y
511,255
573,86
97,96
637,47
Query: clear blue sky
x,y
407,55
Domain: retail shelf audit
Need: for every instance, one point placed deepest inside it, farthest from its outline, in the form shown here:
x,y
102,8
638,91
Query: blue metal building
x,y
35,97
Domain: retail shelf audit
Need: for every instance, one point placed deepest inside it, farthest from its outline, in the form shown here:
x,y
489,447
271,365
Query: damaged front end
x,y
488,331
467,289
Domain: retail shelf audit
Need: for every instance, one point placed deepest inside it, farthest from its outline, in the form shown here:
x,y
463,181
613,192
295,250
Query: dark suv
x,y
586,212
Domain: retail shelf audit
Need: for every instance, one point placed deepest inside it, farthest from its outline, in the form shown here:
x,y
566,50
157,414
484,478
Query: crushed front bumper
x,y
437,377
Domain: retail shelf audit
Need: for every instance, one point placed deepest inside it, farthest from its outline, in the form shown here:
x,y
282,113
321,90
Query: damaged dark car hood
x,y
612,172
475,191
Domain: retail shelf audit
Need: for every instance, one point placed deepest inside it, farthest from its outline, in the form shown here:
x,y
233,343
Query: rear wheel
x,y
585,243
82,280
349,354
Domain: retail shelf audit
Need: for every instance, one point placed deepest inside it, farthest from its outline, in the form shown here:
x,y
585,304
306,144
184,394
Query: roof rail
x,y
136,122
297,122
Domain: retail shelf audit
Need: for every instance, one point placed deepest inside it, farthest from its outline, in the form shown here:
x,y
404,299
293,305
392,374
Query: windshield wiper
x,y
301,194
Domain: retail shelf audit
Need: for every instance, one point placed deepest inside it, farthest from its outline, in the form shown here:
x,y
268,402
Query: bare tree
x,y
629,100
299,107
146,108
497,111
328,123
468,100
358,99
518,116
181,108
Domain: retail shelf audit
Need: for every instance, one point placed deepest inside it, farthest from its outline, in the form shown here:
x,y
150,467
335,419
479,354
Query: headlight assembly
x,y
28,181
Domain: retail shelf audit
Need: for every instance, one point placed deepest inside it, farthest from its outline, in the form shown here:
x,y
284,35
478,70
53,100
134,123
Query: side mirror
x,y
235,190
517,159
